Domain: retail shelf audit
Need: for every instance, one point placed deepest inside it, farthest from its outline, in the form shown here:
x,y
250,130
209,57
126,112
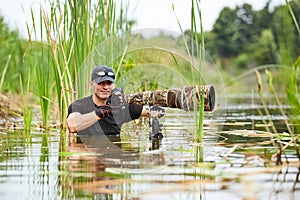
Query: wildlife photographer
x,y
105,110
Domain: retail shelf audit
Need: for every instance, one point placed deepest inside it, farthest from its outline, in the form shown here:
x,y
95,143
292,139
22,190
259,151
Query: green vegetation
x,y
199,50
70,36
243,38
293,93
76,35
289,78
11,58
70,32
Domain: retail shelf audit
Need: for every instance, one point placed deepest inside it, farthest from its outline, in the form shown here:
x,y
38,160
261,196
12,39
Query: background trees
x,y
241,38
249,38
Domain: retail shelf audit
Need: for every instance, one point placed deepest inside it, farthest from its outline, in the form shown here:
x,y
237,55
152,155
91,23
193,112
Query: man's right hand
x,y
103,111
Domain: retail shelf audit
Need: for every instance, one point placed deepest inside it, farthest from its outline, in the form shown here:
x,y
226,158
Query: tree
x,y
225,29
285,37
246,31
265,51
261,21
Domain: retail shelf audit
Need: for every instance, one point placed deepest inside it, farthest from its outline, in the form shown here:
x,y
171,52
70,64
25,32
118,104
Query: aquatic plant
x,y
293,94
200,51
291,74
4,71
196,50
71,30
27,108
292,89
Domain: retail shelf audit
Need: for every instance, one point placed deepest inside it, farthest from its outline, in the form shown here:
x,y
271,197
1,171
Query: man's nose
x,y
105,85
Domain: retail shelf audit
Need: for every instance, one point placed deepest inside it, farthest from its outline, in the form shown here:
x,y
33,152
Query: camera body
x,y
117,92
117,98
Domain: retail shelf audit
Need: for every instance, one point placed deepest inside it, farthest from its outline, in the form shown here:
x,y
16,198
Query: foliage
x,y
292,89
265,49
293,93
243,30
285,25
12,48
225,29
27,109
285,37
72,29
241,60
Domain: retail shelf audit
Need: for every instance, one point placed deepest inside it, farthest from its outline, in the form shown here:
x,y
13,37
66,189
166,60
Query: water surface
x,y
236,150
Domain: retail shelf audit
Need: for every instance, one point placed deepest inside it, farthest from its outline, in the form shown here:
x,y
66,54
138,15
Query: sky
x,y
147,13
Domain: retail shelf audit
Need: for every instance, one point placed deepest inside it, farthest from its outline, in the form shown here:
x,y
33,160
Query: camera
x,y
117,91
117,98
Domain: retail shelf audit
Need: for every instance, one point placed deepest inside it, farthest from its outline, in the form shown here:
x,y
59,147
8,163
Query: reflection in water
x,y
83,166
94,154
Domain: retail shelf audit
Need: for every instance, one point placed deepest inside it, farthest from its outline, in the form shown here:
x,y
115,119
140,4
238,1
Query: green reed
x,y
292,89
293,94
4,71
294,100
196,51
265,106
70,31
38,60
293,17
277,144
200,53
27,109
292,74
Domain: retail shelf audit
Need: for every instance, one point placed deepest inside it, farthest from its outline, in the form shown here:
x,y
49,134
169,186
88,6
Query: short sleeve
x,y
135,111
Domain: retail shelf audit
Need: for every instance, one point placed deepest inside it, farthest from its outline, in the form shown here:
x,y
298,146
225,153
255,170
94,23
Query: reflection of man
x,y
95,115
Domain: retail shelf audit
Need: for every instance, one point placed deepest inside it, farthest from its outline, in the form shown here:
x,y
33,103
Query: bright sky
x,y
147,13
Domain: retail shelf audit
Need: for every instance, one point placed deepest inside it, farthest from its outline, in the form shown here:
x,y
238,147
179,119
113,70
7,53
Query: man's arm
x,y
78,122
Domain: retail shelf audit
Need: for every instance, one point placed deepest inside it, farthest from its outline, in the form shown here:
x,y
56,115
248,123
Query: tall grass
x,y
291,74
292,89
4,71
200,52
196,51
293,94
27,109
39,63
277,144
69,32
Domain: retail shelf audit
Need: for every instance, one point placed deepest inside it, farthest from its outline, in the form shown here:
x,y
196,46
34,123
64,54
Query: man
x,y
97,114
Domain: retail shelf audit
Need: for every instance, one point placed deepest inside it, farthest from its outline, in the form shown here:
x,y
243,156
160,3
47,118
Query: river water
x,y
236,159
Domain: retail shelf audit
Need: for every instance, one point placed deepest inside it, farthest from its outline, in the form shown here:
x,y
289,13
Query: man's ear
x,y
91,83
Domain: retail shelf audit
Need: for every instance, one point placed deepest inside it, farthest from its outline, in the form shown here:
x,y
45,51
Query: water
x,y
237,152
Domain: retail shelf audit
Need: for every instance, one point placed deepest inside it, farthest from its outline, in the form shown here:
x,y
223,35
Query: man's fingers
x,y
156,114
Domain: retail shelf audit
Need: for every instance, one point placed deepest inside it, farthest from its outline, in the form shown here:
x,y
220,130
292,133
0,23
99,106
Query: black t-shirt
x,y
110,125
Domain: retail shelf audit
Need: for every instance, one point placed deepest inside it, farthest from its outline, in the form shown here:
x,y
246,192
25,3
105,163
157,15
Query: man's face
x,y
103,89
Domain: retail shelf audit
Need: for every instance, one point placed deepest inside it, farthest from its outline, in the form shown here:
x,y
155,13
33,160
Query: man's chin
x,y
104,97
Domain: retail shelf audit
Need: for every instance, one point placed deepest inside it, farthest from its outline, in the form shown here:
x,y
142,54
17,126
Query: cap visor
x,y
105,78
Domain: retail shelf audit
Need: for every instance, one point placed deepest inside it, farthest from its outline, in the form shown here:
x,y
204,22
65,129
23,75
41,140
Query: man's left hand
x,y
157,111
